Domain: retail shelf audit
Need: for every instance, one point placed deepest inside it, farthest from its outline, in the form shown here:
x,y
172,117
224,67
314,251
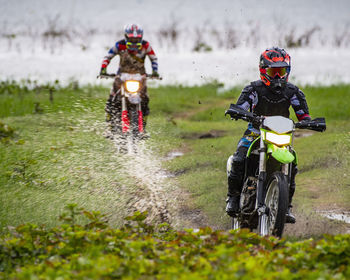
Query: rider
x,y
132,51
270,96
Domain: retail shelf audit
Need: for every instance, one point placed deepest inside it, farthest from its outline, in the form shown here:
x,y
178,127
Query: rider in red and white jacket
x,y
132,52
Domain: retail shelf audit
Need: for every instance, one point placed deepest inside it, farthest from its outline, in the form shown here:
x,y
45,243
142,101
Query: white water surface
x,y
93,26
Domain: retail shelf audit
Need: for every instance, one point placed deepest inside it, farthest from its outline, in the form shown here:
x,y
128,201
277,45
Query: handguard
x,y
237,112
318,124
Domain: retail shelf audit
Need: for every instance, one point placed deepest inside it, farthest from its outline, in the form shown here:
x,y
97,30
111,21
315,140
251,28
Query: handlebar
x,y
107,76
236,112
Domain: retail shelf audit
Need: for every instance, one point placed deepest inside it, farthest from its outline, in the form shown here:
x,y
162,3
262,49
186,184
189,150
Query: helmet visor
x,y
277,71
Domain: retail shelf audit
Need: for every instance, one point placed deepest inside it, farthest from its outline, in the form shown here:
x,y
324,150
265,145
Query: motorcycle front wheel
x,y
276,202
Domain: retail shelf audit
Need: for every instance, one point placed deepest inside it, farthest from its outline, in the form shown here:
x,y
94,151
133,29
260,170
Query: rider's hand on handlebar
x,y
155,74
257,121
103,71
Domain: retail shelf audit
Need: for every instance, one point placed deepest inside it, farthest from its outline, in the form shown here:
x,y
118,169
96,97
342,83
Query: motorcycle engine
x,y
248,195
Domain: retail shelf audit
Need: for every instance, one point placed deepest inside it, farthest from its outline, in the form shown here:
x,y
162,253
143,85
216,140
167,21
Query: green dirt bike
x,y
265,192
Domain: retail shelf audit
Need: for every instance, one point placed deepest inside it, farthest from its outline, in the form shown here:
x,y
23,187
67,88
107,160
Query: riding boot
x,y
144,135
108,109
234,180
232,204
144,121
290,218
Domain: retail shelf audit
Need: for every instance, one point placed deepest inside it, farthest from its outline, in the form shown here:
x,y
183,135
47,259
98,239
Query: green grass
x,y
58,155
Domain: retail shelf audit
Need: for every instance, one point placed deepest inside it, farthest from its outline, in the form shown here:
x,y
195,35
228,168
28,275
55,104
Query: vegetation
x,y
93,250
52,152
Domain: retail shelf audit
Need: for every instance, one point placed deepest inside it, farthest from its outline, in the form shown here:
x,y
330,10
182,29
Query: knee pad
x,y
235,168
229,165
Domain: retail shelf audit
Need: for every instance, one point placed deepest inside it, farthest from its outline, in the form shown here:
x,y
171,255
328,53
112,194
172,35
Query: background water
x,y
196,41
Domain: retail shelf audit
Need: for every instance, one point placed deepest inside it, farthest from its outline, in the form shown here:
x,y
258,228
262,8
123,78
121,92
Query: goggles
x,y
133,46
275,71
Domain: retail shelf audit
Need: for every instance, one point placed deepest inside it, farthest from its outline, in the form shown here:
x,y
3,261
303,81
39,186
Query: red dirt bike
x,y
128,124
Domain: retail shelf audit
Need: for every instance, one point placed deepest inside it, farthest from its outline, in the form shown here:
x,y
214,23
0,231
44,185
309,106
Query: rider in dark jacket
x,y
270,96
132,51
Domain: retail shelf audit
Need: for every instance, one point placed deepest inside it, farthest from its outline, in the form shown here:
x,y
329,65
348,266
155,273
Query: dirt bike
x,y
265,193
129,123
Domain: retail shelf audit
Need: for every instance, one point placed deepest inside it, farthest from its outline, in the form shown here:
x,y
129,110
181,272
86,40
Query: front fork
x,y
260,198
125,117
140,118
260,203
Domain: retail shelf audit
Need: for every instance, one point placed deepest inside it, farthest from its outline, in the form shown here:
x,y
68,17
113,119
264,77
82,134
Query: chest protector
x,y
270,103
132,61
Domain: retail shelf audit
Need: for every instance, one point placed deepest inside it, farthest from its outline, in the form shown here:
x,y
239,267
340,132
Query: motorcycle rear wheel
x,y
276,202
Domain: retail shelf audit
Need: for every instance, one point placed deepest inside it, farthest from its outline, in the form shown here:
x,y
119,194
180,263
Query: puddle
x,y
203,135
173,154
335,215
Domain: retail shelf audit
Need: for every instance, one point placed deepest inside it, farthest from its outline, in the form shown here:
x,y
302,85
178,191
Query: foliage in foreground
x,y
93,250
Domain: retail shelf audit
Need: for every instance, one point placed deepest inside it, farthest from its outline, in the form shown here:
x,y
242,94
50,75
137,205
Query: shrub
x,y
138,250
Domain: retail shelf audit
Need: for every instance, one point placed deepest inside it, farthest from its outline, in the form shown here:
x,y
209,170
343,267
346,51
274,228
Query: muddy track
x,y
155,191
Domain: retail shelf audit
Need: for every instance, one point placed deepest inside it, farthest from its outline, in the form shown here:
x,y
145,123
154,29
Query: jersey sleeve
x,y
299,105
152,56
111,53
248,98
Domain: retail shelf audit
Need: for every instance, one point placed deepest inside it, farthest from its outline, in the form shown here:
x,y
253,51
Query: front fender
x,y
281,154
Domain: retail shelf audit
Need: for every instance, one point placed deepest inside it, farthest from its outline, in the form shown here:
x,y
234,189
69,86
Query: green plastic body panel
x,y
251,146
280,154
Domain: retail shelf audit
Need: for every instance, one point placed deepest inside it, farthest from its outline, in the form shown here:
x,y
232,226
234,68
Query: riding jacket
x,y
131,61
261,100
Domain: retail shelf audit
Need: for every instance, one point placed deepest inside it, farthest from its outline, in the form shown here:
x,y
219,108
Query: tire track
x,y
151,186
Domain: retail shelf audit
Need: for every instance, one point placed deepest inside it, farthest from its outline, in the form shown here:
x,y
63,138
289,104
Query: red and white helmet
x,y
133,36
274,66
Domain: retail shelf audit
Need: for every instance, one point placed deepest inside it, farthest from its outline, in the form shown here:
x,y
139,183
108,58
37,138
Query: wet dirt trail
x,y
156,191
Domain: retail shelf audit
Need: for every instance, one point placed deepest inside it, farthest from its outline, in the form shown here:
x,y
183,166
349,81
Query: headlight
x,y
278,139
132,86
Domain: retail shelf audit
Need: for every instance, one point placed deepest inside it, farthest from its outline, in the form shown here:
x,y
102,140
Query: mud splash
x,y
155,189
150,186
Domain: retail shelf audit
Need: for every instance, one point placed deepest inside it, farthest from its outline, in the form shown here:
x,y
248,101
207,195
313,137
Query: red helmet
x,y
133,36
274,67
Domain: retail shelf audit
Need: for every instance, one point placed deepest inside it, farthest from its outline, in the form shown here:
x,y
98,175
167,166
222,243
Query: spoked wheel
x,y
276,202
